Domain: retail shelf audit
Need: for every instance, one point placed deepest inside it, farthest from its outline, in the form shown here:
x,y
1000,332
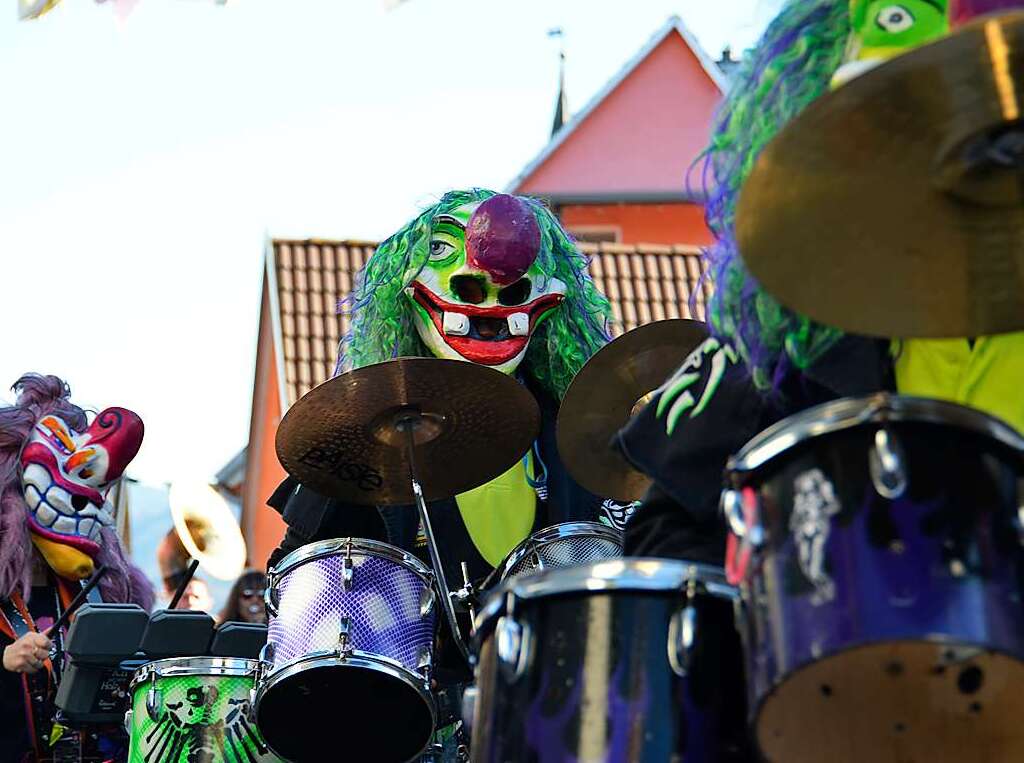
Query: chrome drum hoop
x,y
174,667
848,413
565,531
611,576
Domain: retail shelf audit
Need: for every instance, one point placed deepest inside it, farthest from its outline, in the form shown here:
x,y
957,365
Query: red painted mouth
x,y
83,544
488,343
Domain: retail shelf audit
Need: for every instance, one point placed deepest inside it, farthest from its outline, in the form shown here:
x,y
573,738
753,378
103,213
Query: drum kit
x,y
874,573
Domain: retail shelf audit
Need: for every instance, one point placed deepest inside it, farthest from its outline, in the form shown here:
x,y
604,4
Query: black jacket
x,y
679,516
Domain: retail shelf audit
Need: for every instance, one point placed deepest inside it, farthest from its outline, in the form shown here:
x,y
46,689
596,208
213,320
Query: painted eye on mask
x,y
894,19
440,250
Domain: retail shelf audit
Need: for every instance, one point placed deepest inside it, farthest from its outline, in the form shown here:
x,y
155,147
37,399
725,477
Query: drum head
x,y
342,710
897,701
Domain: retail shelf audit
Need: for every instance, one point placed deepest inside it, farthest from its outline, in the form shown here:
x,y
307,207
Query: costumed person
x,y
764,362
486,278
245,601
173,560
56,528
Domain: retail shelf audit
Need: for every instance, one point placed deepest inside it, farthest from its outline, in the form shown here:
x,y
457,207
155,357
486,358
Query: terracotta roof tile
x,y
644,282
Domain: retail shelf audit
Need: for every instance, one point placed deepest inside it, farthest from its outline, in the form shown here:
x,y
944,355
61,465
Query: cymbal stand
x,y
408,424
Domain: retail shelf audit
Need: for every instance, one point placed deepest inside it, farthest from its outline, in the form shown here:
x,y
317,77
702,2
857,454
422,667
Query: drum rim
x,y
636,574
175,667
325,548
556,533
354,660
851,412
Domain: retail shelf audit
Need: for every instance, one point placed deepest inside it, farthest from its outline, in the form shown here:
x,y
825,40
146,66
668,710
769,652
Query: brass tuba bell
x,y
207,529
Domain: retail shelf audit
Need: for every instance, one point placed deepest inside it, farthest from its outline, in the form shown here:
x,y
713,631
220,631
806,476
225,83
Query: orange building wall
x,y
263,527
642,223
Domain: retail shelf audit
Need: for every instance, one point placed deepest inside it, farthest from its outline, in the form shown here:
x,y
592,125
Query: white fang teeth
x,y
519,324
456,324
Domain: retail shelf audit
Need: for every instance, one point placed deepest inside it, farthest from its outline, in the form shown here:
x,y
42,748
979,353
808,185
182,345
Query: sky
x,y
144,162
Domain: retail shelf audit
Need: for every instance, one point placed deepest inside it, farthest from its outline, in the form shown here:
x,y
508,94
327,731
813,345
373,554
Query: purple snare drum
x,y
880,559
348,658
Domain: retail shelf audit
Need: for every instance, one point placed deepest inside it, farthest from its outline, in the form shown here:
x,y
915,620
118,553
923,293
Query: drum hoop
x,y
330,655
174,667
360,547
610,576
556,533
352,659
851,412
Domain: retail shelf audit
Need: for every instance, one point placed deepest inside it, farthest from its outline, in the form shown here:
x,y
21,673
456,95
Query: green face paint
x,y
883,29
195,716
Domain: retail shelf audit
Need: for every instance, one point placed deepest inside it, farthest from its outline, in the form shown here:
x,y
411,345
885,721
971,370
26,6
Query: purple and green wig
x,y
483,277
791,66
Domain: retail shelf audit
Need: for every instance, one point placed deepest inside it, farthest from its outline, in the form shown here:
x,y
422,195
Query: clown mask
x,y
481,294
65,477
884,29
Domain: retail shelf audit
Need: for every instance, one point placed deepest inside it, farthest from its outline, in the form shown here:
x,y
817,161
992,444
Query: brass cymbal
x,y
894,206
610,388
345,438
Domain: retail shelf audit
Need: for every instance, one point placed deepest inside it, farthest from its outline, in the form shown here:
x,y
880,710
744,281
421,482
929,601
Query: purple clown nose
x,y
962,11
503,238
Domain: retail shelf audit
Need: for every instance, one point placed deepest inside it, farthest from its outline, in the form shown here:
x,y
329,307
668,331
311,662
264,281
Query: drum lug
x,y
154,701
469,695
426,601
270,596
347,568
682,634
887,465
345,636
513,640
425,662
128,718
732,509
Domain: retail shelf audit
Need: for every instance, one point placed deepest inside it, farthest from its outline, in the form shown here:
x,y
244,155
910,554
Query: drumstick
x,y
184,584
77,601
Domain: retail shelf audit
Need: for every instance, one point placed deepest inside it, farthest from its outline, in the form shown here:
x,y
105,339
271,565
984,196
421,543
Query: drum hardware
x,y
682,633
344,634
925,232
427,598
887,465
614,385
154,702
466,596
513,644
346,569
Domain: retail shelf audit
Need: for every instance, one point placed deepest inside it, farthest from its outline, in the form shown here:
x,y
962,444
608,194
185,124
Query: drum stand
x,y
408,423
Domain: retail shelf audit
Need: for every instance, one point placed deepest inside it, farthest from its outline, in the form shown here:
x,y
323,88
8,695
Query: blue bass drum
x,y
877,542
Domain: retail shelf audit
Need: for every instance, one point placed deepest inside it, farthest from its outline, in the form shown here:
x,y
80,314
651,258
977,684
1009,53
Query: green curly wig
x,y
382,325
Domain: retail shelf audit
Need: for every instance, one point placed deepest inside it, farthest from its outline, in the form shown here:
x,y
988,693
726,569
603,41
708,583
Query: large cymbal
x,y
881,210
606,393
344,438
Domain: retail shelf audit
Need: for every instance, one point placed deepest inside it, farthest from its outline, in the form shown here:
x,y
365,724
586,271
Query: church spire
x,y
562,104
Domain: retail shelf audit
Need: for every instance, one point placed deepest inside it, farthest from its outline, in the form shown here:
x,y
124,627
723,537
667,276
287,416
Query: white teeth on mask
x,y
45,515
65,526
89,528
36,476
519,324
455,324
32,497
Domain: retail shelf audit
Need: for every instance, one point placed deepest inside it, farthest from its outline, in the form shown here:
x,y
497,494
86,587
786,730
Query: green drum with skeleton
x,y
194,710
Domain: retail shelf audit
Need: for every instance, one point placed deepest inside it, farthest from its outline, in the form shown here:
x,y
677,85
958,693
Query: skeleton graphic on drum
x,y
814,504
195,710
